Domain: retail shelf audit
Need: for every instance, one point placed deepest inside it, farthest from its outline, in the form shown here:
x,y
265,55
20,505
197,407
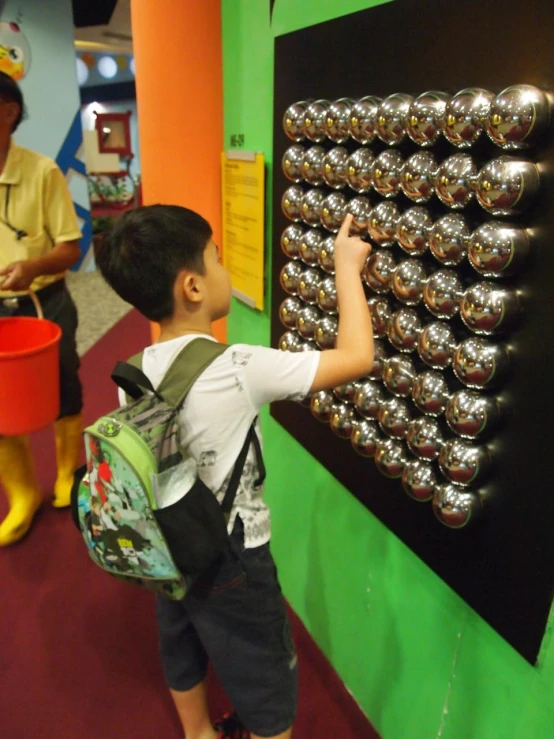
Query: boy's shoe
x,y
230,727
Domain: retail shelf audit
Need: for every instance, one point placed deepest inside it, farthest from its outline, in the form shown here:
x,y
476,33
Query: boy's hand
x,y
350,251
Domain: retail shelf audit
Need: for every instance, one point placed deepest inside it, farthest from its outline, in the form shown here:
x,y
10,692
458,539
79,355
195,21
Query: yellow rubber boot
x,y
17,474
69,443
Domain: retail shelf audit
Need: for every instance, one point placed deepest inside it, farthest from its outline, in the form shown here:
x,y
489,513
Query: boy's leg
x,y
192,708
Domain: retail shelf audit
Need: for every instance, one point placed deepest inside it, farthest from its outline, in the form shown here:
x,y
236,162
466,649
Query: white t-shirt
x,y
220,408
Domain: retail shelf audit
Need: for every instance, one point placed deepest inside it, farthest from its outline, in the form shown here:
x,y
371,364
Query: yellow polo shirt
x,y
34,197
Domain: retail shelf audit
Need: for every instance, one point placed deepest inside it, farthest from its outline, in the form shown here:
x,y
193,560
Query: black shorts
x,y
235,618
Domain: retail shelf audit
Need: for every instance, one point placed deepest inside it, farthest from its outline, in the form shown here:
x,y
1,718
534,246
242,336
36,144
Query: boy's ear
x,y
192,287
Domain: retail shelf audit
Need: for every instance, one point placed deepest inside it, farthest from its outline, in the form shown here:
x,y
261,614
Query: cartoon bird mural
x,y
15,52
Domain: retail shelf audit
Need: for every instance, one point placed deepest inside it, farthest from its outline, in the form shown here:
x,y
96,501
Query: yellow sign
x,y
243,224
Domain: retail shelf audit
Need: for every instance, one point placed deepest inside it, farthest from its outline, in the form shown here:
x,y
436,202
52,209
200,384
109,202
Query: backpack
x,y
132,454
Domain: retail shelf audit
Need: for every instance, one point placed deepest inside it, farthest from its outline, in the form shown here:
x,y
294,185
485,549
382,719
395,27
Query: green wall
x,y
418,660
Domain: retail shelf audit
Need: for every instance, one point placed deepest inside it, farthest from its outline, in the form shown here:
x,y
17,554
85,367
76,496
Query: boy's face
x,y
218,283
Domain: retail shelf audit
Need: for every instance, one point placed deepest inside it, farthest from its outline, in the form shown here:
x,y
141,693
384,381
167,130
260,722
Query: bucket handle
x,y
34,298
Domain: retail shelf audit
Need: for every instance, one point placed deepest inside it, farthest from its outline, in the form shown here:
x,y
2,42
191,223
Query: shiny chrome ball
x,y
462,462
378,271
290,342
436,345
359,170
466,116
418,176
308,285
487,308
479,364
290,241
455,181
342,420
399,375
430,393
307,321
289,276
364,438
335,167
312,205
291,203
326,333
392,118
472,415
292,163
338,118
360,208
293,121
419,480
425,438
334,211
449,239
455,507
327,295
309,246
394,418
368,399
408,281
426,117
381,314
382,223
518,117
315,121
442,293
322,404
403,329
312,165
498,249
385,173
288,312
507,186
363,119
390,458
327,255
347,392
379,355
412,231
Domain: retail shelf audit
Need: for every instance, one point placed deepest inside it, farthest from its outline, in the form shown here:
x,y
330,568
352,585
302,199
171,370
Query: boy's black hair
x,y
145,251
10,91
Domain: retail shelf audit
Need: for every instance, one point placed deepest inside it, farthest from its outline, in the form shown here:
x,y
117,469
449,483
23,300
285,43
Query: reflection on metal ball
x,y
425,438
290,274
436,345
518,117
412,231
403,329
335,167
426,116
417,176
408,281
449,239
419,480
312,205
288,312
392,118
290,342
359,170
307,321
309,247
290,241
385,173
507,186
338,118
466,116
315,121
342,420
326,255
363,119
394,418
364,438
347,392
327,295
455,181
480,364
462,462
487,308
472,415
308,285
390,458
326,333
430,393
398,375
292,163
498,249
293,121
442,293
312,165
380,316
382,223
455,507
333,212
379,355
378,271
360,208
368,399
322,404
291,203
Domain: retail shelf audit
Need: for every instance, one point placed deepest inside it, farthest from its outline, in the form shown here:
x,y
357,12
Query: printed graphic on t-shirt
x,y
241,359
207,459
239,385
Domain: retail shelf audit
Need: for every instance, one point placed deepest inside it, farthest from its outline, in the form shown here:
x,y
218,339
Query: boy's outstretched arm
x,y
353,356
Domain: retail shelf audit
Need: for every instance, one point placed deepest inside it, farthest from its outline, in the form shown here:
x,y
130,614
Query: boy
x,y
162,260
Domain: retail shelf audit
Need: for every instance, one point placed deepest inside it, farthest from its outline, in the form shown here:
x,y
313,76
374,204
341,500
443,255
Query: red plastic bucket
x,y
29,375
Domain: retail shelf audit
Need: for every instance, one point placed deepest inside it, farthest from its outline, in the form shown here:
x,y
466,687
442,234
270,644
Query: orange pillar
x,y
179,83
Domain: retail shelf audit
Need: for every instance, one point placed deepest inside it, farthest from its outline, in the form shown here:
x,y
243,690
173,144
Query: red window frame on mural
x,y
103,119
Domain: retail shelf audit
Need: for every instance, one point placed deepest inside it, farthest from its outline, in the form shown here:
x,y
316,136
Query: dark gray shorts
x,y
235,618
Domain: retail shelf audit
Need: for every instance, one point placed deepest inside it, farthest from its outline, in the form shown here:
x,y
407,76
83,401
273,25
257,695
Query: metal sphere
x,y
466,116
293,121
479,364
425,438
455,181
518,117
363,119
288,312
487,308
326,255
472,415
289,276
360,208
382,223
462,462
291,203
408,281
307,321
327,295
334,211
394,418
381,314
392,118
290,342
412,231
379,355
404,329
442,293
312,165
507,186
309,246
436,345
364,438
335,167
358,168
426,116
378,271
449,239
455,507
315,121
399,375
419,480
417,176
322,404
347,392
390,458
308,285
368,399
290,241
430,393
498,249
342,420
326,332
292,163
385,173
338,118
312,205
